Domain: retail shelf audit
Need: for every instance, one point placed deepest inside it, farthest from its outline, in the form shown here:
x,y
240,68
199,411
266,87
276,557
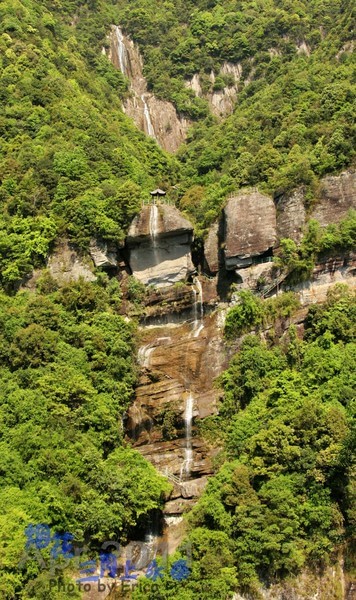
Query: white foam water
x,y
188,451
146,113
122,52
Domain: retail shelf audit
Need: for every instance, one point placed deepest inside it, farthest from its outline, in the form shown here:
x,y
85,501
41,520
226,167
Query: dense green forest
x,y
67,372
283,498
70,161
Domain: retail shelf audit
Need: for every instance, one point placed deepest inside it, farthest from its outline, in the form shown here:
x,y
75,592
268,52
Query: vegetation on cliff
x,y
283,497
66,377
72,164
70,161
295,112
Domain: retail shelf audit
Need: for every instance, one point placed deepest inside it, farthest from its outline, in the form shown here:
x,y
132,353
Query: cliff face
x,y
291,216
178,366
157,118
252,225
250,228
159,243
336,196
182,349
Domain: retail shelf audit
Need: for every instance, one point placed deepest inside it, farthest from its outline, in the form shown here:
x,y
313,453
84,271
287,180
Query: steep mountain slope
x,y
74,167
70,160
294,116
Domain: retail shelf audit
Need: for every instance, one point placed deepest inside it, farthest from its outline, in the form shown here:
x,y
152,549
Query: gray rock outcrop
x,y
211,249
291,215
66,265
250,228
159,243
103,255
336,196
221,101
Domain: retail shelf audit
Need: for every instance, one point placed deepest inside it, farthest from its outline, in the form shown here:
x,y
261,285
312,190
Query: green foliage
x,y
66,378
246,314
71,163
282,499
252,312
294,116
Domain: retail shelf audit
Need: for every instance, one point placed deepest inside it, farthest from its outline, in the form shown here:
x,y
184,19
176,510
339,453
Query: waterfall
x,y
195,310
145,352
198,308
122,52
147,117
154,223
144,355
188,451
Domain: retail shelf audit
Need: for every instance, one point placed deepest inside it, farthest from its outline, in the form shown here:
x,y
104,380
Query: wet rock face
x,y
336,196
157,118
250,228
176,363
159,242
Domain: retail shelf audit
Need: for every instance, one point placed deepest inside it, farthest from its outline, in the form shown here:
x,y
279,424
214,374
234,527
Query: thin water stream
x,y
146,114
122,52
188,451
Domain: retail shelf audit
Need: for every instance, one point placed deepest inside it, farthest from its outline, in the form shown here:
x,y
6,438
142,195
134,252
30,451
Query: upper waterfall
x,y
153,222
122,52
157,118
159,245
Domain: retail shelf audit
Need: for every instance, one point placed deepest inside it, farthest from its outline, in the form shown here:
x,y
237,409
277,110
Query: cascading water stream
x,y
122,52
144,355
154,223
145,352
188,451
198,308
146,113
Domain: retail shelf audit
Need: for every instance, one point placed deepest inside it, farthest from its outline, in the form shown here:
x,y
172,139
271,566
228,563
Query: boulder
x,y
193,488
159,243
103,255
250,228
177,507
